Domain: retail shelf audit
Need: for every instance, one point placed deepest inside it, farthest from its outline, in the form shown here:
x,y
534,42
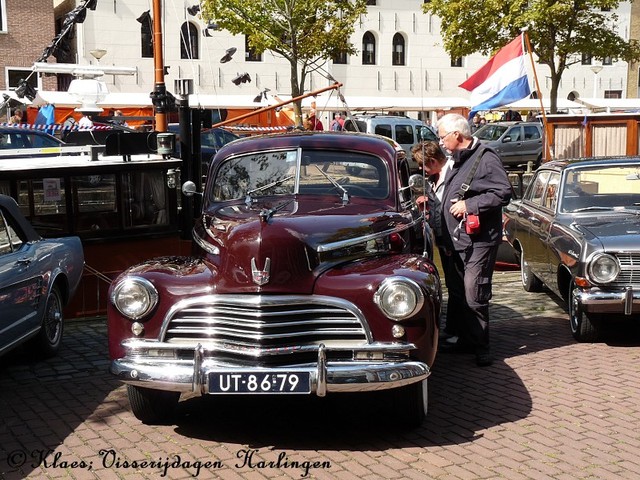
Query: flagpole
x,y
547,137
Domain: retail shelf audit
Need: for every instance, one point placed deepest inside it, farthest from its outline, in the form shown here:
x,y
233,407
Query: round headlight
x,y
134,297
603,268
399,298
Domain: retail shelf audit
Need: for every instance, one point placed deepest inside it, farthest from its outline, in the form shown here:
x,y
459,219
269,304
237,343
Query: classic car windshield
x,y
601,188
314,172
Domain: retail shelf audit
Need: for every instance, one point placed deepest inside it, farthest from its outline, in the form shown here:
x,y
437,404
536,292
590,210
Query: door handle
x,y
23,261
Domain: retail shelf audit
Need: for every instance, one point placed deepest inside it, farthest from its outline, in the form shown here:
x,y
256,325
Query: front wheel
x,y
411,403
152,406
583,327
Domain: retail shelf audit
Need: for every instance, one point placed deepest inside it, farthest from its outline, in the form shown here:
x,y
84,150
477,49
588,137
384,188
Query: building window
x,y
586,59
250,55
368,49
456,62
16,75
613,94
146,35
372,2
189,47
398,49
3,16
607,61
340,59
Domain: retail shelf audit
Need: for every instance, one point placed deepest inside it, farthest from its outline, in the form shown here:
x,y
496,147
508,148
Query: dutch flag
x,y
501,81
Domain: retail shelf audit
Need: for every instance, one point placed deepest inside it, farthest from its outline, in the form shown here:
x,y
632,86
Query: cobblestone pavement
x,y
548,408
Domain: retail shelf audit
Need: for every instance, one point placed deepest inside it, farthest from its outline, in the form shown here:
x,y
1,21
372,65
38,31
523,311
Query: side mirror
x,y
189,189
416,183
506,139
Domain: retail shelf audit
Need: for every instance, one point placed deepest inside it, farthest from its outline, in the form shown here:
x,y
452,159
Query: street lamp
x,y
596,69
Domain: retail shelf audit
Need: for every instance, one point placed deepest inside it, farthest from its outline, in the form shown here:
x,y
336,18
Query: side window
x,y
536,189
551,195
10,241
404,134
384,130
514,133
531,132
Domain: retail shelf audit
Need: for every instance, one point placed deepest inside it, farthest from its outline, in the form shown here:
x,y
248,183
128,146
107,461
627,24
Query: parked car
x,y
576,230
307,280
37,278
211,140
17,137
404,130
517,143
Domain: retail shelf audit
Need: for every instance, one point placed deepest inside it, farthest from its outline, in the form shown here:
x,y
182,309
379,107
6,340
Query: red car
x,y
310,277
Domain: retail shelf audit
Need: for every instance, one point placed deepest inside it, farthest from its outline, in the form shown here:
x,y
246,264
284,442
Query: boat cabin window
x,y
92,205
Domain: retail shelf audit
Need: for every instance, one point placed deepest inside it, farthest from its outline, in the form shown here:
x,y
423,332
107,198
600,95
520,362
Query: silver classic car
x,y
577,231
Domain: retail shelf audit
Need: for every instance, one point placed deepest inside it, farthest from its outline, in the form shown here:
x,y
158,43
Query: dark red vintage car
x,y
312,276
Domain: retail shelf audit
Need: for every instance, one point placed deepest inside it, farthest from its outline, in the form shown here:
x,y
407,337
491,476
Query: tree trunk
x,y
296,91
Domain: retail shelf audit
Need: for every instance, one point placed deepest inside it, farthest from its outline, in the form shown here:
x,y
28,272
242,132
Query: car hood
x,y
287,244
614,232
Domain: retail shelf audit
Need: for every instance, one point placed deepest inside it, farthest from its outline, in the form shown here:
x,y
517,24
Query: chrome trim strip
x,y
327,247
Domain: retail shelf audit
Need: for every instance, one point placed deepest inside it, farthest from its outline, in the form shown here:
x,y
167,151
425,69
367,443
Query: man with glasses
x,y
474,255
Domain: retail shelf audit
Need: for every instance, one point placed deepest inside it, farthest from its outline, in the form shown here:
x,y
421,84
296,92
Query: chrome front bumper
x,y
625,302
191,376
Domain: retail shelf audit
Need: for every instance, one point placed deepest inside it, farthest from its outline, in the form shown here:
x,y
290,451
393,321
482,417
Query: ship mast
x,y
159,94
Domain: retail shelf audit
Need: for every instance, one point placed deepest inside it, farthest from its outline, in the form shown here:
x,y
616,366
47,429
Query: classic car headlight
x,y
134,297
398,298
603,268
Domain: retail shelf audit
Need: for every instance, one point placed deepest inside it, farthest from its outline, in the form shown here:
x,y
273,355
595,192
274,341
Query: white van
x,y
404,130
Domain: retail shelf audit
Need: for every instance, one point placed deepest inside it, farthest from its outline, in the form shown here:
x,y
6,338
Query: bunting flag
x,y
501,81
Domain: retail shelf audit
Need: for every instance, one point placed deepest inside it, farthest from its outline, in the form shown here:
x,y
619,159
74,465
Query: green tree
x,y
304,32
560,31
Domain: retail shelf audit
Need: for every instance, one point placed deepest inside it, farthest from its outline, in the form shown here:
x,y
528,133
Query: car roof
x,y
20,129
563,164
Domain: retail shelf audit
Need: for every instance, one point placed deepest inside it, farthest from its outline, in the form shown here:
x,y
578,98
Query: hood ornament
x,y
260,277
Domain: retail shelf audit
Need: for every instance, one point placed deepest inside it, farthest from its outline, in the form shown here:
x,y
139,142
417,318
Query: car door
x,y
535,227
20,285
531,144
510,148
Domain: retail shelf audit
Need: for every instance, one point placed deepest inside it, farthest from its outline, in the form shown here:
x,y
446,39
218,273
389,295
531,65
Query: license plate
x,y
259,382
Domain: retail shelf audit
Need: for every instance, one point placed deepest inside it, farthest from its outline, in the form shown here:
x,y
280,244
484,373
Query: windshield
x,y
602,188
305,172
490,132
216,138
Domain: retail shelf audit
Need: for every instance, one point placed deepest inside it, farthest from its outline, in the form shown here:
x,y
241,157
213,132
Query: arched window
x,y
189,47
398,50
368,49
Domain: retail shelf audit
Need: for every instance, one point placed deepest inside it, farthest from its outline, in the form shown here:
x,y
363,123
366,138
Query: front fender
x,y
357,282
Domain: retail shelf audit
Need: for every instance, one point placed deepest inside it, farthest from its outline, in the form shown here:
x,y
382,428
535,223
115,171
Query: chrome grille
x,y
629,270
258,323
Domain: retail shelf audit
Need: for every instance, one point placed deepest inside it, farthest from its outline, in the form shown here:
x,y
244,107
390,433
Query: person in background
x,y
337,123
473,254
315,123
85,122
16,118
436,165
120,120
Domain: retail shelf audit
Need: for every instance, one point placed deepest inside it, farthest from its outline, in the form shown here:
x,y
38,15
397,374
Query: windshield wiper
x,y
593,207
345,194
266,214
248,200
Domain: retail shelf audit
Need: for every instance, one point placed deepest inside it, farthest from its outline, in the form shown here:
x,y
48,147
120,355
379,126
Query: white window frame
x,y
9,68
3,16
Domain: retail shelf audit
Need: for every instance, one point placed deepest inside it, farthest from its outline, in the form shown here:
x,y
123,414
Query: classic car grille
x,y
249,326
629,275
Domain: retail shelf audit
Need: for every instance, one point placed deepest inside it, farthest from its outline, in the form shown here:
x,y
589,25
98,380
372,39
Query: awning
x,y
611,104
